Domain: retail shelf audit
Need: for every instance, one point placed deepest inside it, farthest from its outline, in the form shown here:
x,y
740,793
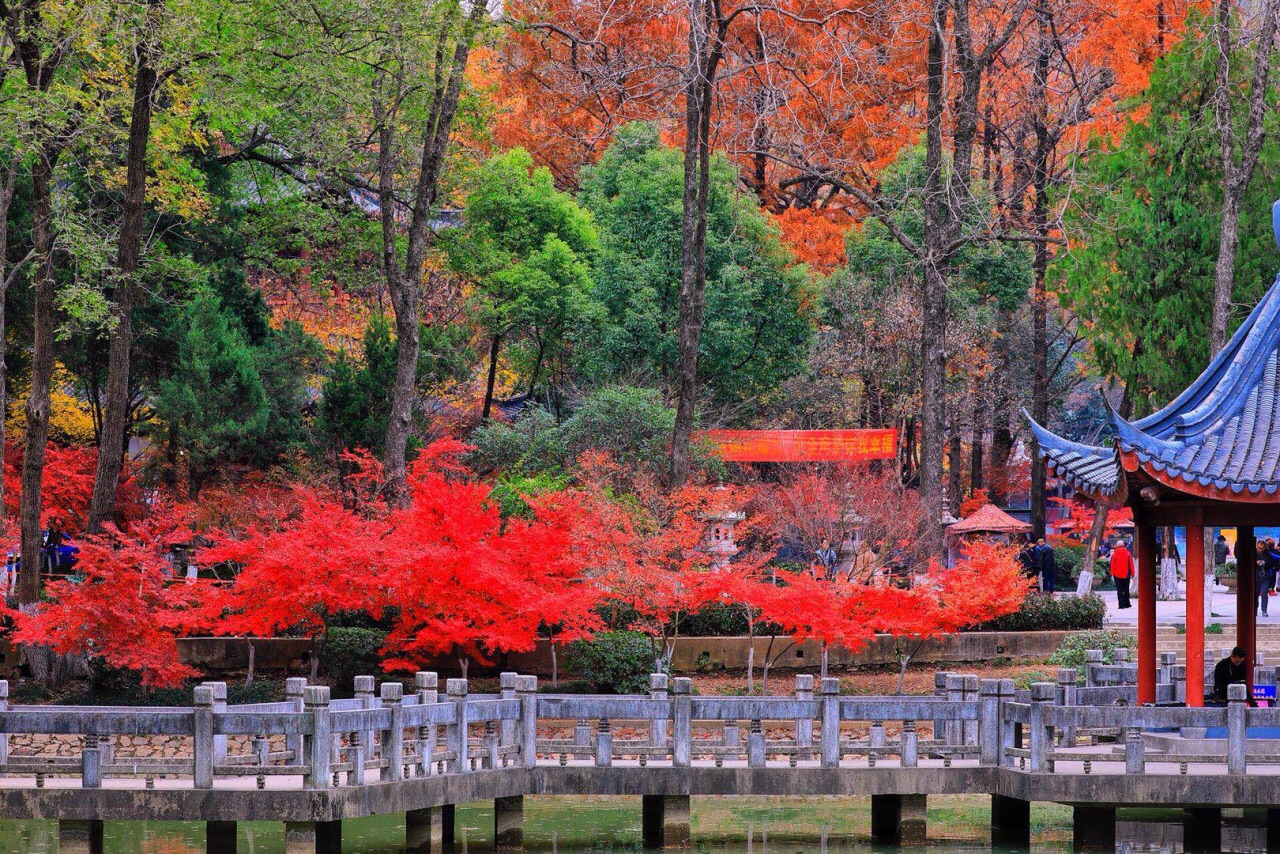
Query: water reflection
x,y
720,826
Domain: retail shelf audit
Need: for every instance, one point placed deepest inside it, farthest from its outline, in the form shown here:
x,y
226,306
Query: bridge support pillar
x,y
313,837
220,837
1093,828
1273,830
508,822
1202,830
427,831
1010,822
80,837
898,819
665,821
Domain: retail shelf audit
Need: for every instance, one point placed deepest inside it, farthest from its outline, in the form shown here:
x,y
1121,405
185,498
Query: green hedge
x,y
1043,613
348,652
613,662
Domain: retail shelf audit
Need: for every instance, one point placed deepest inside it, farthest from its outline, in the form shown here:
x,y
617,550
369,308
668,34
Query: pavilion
x,y
1211,458
988,522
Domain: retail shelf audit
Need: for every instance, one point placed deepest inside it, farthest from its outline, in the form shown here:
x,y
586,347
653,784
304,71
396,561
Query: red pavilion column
x,y
1246,598
1195,615
1145,542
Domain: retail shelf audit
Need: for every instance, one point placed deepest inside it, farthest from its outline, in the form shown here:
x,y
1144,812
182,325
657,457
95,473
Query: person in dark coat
x,y
1229,671
1047,565
1221,551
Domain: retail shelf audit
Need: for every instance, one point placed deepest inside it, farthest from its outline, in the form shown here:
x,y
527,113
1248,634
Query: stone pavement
x,y
1175,613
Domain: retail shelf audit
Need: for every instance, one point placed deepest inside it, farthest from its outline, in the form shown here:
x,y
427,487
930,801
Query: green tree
x,y
214,407
1144,221
354,408
528,248
757,319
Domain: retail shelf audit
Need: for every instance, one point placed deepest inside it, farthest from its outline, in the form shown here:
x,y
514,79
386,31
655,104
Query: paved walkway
x,y
1175,613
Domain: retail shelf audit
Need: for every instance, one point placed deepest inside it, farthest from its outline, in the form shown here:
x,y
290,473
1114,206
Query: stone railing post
x,y
941,730
219,706
1237,708
829,733
202,730
364,688
91,763
804,726
293,688
910,745
604,744
1067,697
428,686
989,722
1178,674
490,741
4,707
1092,657
393,738
1041,696
1135,761
682,723
969,729
456,689
755,744
955,696
658,726
1167,662
527,690
1007,728
1120,655
507,691
319,744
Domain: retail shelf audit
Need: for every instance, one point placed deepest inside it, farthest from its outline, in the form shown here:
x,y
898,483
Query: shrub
x,y
614,662
715,621
348,652
1040,612
1071,652
1067,563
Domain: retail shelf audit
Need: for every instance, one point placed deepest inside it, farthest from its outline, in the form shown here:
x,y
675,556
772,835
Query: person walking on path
x,y
1047,565
827,559
1263,580
1272,561
1122,569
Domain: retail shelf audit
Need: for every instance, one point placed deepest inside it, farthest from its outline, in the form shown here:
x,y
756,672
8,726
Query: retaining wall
x,y
691,654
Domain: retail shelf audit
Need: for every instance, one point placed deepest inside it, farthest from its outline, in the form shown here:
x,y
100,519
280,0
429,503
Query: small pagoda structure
x,y
1211,458
988,522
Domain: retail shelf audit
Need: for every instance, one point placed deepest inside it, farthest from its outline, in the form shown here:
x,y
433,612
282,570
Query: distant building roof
x,y
1219,439
989,519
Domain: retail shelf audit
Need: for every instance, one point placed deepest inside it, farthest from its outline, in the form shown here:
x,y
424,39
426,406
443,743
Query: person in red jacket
x,y
1122,569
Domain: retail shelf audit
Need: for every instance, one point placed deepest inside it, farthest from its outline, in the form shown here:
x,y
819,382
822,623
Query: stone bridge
x,y
313,762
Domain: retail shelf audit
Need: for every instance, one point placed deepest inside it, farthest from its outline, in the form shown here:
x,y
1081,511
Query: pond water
x,y
721,825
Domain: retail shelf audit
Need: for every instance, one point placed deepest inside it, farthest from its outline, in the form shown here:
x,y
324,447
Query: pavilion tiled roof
x,y
1220,438
989,519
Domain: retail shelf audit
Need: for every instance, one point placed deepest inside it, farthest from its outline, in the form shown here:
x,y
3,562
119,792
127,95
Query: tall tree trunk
x,y
494,344
37,409
979,437
404,283
933,355
8,185
1236,176
704,59
1039,204
116,413
954,464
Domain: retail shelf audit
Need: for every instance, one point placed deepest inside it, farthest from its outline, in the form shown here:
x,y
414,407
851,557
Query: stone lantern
x,y
719,542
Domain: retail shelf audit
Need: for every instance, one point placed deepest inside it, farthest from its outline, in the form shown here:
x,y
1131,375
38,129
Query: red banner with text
x,y
802,446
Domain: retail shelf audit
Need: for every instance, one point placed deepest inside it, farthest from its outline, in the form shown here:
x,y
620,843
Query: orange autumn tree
x,y
985,583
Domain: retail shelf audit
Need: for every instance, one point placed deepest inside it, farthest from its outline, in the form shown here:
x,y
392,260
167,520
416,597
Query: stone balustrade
x,y
1055,740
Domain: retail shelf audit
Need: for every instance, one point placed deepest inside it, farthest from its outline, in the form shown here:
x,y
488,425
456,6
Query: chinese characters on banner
x,y
802,446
